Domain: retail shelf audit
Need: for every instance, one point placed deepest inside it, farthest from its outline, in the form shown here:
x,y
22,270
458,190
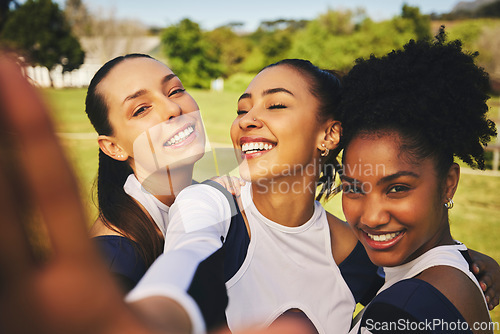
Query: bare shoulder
x,y
460,291
99,229
342,238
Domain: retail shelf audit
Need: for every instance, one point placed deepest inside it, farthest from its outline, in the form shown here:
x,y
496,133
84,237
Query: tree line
x,y
50,36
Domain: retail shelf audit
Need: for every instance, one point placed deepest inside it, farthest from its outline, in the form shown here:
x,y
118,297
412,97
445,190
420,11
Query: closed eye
x,y
241,112
277,106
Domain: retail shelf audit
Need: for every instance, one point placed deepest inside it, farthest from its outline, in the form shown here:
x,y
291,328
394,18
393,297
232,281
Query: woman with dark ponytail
x,y
131,97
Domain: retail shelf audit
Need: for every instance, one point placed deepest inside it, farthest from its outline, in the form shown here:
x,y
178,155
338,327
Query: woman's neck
x,y
166,184
288,201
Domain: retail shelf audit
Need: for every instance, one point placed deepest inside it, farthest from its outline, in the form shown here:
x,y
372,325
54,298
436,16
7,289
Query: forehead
x,y
379,154
131,75
279,76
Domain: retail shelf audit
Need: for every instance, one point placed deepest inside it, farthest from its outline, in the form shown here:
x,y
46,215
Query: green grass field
x,y
475,219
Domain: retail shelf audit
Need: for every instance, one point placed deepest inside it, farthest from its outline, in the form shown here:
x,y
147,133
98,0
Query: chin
x,y
384,258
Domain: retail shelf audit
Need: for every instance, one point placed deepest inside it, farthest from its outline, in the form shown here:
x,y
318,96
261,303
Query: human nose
x,y
169,109
250,120
374,213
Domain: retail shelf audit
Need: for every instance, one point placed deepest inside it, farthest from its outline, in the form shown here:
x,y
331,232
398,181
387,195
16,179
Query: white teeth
x,y
260,146
383,237
180,136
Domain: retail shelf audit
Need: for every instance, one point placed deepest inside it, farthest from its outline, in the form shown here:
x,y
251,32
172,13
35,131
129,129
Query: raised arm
x,y
62,288
191,269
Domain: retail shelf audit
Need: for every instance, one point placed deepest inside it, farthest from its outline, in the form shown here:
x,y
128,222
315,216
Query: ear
x,y
451,182
109,146
330,138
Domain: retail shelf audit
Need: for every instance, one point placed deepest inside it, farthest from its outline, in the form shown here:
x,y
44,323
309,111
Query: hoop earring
x,y
325,152
449,204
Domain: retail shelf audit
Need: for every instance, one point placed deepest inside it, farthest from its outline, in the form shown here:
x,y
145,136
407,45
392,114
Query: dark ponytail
x,y
117,210
325,85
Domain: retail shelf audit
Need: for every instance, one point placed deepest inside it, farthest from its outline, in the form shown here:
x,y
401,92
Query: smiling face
x,y
154,120
394,206
277,127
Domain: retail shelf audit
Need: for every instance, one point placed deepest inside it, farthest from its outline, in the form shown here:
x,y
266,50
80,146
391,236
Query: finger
x,y
47,172
15,252
490,295
236,186
485,282
478,267
494,303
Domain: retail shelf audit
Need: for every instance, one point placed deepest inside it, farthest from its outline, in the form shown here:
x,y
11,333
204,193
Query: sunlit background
x,y
217,46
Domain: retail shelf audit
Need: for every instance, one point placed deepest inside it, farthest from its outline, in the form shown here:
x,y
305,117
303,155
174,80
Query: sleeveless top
x,y
404,299
288,268
121,254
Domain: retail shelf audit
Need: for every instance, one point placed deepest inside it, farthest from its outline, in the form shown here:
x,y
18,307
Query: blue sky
x,y
212,13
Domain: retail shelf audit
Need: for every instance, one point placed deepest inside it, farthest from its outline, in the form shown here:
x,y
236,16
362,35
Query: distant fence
x,y
77,78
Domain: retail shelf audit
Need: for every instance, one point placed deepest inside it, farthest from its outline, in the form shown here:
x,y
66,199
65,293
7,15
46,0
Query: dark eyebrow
x,y
167,78
141,92
266,92
394,176
135,95
245,96
347,178
385,179
276,90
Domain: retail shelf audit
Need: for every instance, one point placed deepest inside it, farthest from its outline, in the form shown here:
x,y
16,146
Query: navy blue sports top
x,y
122,258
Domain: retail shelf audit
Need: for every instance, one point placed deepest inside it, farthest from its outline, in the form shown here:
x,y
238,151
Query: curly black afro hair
x,y
431,93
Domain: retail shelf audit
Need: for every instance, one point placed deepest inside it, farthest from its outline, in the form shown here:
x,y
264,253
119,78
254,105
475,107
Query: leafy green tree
x,y
4,10
422,23
272,42
337,38
191,54
40,30
231,48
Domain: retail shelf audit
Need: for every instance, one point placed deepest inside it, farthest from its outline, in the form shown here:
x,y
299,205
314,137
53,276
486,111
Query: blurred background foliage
x,y
332,40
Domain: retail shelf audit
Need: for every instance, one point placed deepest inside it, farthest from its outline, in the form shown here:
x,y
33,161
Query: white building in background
x,y
98,51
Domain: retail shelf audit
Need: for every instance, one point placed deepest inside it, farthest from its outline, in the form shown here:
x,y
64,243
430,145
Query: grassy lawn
x,y
475,219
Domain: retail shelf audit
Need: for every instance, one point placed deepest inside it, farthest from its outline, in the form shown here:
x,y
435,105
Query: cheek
x,y
234,131
416,211
190,104
351,210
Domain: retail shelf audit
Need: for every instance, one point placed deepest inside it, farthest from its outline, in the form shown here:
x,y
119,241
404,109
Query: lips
x,y
383,240
182,137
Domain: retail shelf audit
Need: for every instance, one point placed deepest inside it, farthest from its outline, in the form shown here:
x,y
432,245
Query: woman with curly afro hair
x,y
405,117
